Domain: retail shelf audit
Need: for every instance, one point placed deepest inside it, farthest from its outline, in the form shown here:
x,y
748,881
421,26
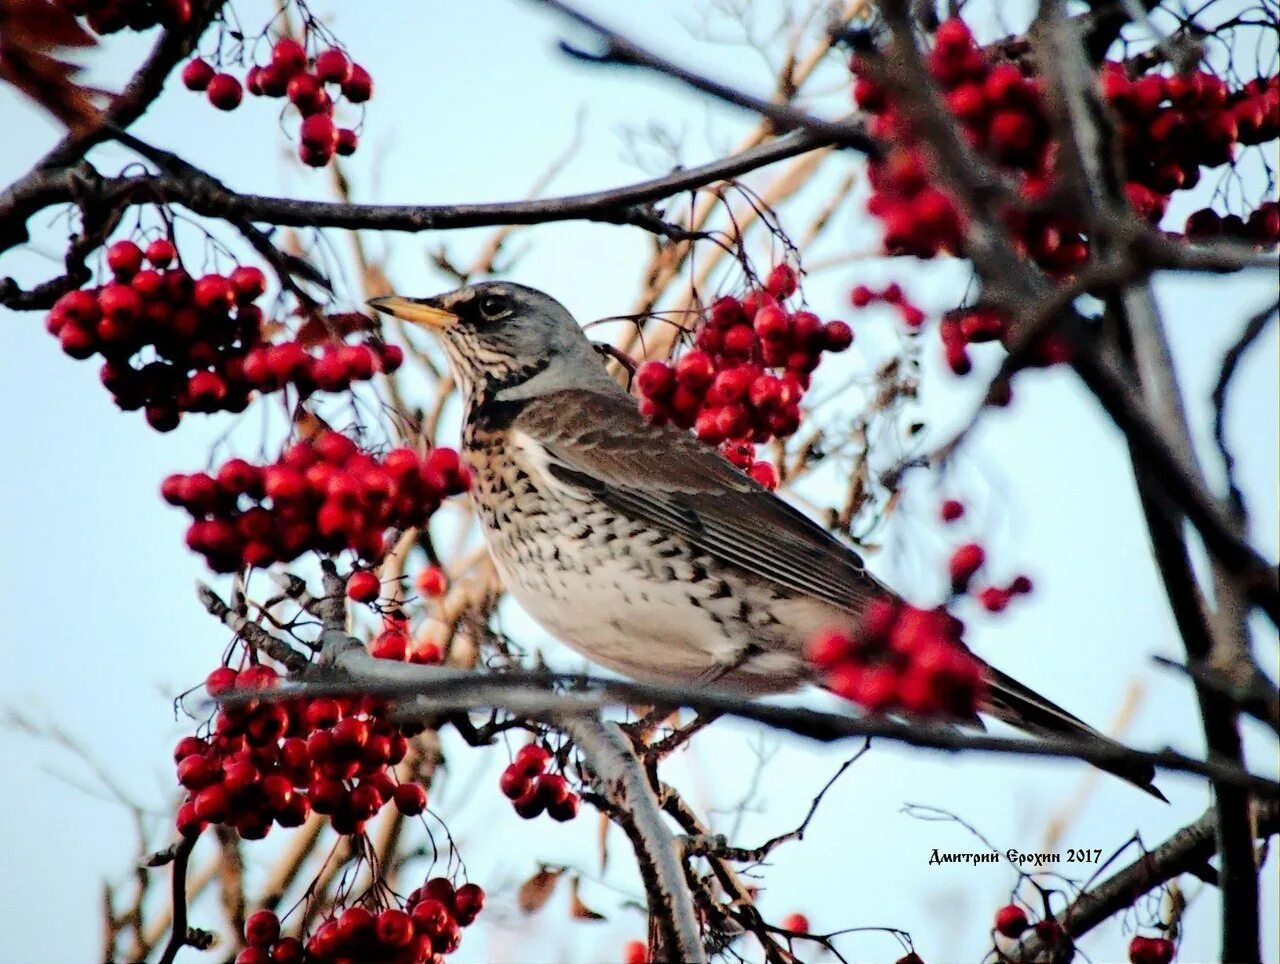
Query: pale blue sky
x,y
101,629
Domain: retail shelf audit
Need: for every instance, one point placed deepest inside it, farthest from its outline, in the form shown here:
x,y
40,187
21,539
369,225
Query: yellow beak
x,y
420,311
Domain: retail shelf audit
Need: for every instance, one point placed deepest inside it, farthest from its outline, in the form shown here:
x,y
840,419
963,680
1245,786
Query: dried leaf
x,y
29,31
318,329
308,423
536,891
577,909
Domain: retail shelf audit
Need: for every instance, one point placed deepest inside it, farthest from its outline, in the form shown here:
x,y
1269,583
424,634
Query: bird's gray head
x,y
504,340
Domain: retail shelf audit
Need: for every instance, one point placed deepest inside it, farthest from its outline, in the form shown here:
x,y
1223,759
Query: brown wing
x,y
668,479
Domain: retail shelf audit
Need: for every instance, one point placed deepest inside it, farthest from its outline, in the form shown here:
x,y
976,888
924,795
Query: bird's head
x,y
504,340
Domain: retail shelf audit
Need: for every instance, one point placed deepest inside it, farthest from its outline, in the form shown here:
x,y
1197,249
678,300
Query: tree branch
x,y
178,936
543,695
635,809
251,632
1180,854
205,195
621,51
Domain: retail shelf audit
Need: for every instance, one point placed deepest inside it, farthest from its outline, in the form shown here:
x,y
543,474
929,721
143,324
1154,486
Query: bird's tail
x,y
1020,706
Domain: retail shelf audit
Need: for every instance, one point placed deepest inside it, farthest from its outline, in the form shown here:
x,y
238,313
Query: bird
x,y
636,544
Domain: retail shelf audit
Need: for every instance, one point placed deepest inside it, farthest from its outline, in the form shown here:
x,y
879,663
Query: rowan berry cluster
x,y
277,762
532,790
424,930
310,81
750,366
111,16
1262,227
324,495
1169,127
901,659
395,643
966,562
329,366
171,343
1011,921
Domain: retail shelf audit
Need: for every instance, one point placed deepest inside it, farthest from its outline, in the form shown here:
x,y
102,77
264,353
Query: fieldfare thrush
x,y
636,544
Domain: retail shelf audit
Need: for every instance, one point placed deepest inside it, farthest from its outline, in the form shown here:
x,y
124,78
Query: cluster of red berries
x,y
1011,921
333,367
751,364
968,559
532,790
901,659
1261,229
111,16
303,79
324,494
912,316
428,927
277,762
394,643
197,330
364,586
1170,126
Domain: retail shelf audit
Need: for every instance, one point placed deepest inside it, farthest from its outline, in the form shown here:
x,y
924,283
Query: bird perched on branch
x,y
636,544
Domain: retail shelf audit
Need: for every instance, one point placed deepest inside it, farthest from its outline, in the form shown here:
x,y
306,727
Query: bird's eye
x,y
493,306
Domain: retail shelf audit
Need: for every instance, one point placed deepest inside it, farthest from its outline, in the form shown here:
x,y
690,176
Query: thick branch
x,y
542,695
622,776
1182,853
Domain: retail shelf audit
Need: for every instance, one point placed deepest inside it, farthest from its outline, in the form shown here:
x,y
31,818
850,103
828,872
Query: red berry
x,y
124,258
288,56
197,74
796,922
430,916
410,799
1049,931
358,87
952,509
248,283
394,928
262,928
695,370
965,561
224,92
837,335
635,952
782,281
993,599
363,586
1150,950
346,145
432,582
333,66
305,92
1011,920
513,783
655,379
319,133
468,901
220,680
765,474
